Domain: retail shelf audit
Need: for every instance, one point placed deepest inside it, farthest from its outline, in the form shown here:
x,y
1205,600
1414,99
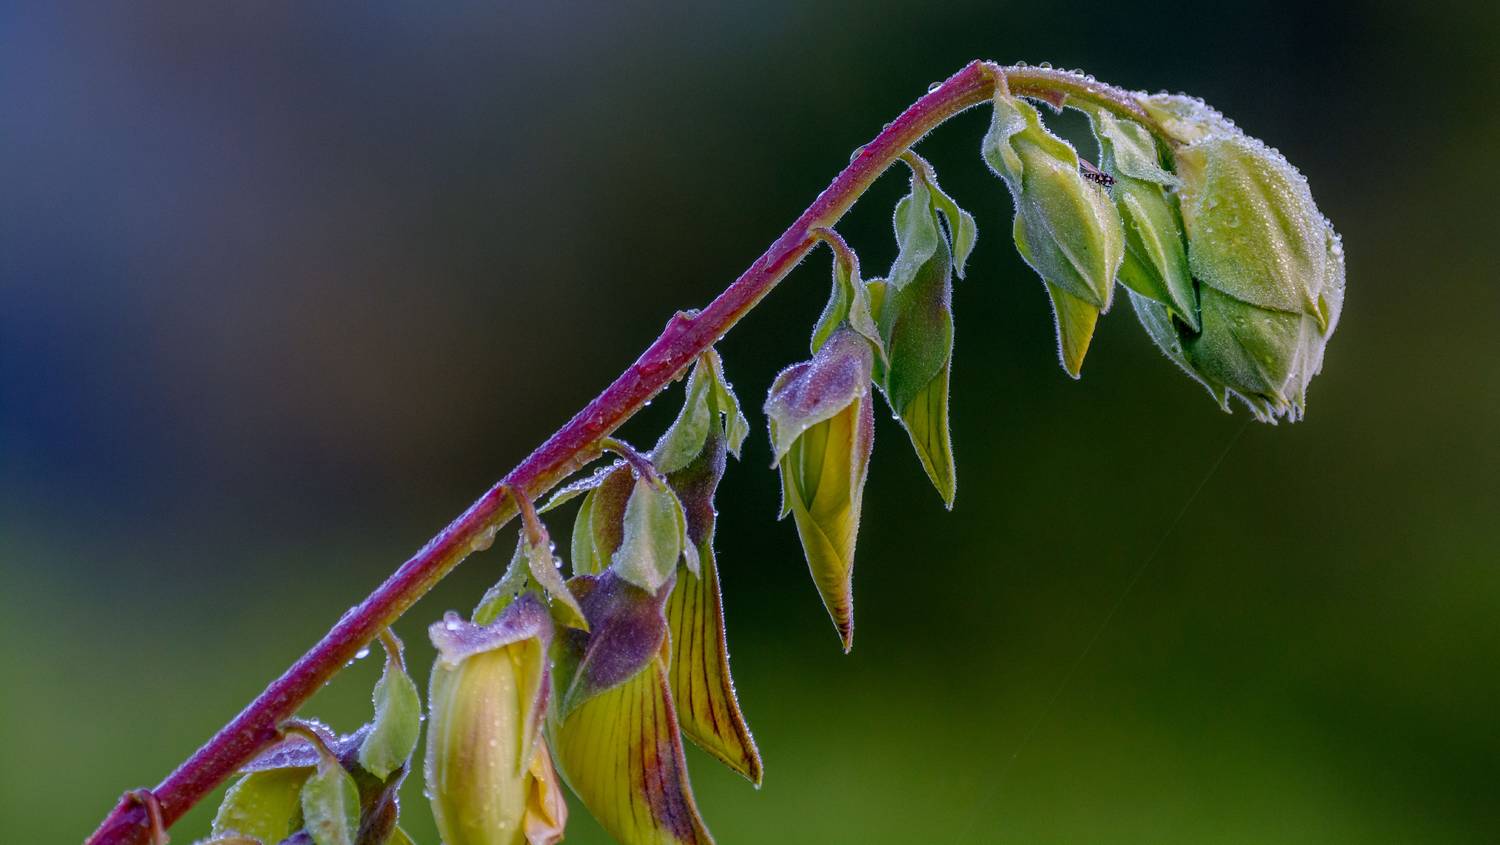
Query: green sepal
x,y
709,400
266,805
545,572
330,805
917,233
654,537
848,304
398,720
1075,321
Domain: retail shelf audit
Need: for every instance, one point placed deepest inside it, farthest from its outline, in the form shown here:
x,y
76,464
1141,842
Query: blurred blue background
x,y
283,287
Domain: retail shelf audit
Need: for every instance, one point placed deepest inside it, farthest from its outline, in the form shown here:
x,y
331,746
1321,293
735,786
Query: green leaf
x,y
398,720
265,805
330,805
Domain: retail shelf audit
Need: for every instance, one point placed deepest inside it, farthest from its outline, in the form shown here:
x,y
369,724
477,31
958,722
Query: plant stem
x,y
579,441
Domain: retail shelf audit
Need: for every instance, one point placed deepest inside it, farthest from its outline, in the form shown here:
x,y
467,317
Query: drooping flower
x,y
822,433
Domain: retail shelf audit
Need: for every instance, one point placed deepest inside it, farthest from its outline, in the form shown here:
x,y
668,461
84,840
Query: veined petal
x,y
621,753
699,669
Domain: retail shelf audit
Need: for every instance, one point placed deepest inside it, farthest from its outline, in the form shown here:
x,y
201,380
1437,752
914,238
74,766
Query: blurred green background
x,y
284,287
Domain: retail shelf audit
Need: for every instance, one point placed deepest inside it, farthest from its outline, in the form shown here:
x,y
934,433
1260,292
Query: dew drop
x,y
934,86
362,653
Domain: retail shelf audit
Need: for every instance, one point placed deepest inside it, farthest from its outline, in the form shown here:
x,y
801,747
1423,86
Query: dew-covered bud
x,y
1066,228
489,777
1269,266
822,432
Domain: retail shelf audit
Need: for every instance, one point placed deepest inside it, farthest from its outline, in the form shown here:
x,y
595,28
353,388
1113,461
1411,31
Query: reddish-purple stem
x,y
578,442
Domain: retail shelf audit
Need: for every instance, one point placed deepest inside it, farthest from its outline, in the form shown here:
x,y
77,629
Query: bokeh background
x,y
283,287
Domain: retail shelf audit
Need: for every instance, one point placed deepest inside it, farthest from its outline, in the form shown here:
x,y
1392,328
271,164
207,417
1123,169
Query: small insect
x,y
1094,174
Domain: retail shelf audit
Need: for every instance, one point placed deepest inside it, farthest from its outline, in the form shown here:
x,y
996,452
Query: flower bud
x,y
1066,228
1155,264
489,778
822,432
1269,266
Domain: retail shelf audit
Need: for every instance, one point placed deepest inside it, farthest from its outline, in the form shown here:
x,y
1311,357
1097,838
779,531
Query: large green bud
x,y
1066,228
1268,265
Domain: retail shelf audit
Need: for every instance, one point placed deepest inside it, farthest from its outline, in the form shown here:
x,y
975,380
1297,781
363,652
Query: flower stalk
x,y
141,814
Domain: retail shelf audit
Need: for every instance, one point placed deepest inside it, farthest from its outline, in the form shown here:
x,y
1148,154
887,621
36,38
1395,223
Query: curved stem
x,y
579,441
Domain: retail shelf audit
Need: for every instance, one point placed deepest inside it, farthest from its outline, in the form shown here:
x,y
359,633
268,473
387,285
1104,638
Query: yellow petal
x,y
699,670
546,811
621,753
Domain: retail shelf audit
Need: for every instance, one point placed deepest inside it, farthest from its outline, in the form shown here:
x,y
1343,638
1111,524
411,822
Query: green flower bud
x,y
1066,227
1155,264
489,779
1269,266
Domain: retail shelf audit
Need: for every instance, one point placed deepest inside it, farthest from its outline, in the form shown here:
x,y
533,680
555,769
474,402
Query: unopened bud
x,y
822,432
485,774
1066,227
1269,266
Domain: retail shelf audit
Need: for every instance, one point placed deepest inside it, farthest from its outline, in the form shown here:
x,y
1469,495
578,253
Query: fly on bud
x,y
1269,266
489,777
1066,228
1155,264
822,432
